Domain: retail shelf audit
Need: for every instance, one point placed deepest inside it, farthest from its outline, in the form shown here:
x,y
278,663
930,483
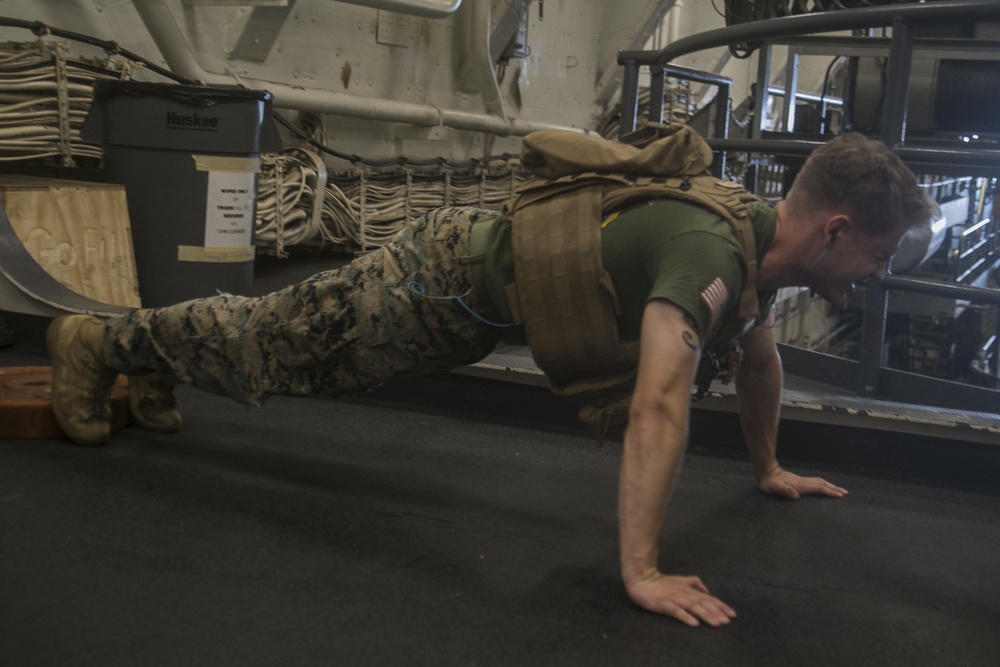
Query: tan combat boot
x,y
152,403
81,382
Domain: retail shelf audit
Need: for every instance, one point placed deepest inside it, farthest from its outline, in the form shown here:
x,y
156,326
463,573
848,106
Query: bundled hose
x,y
44,99
361,209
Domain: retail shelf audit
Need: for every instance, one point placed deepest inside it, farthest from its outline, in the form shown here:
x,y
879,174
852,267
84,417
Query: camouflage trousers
x,y
388,314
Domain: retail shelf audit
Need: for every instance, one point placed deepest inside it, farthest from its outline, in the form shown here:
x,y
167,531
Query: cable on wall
x,y
45,97
362,208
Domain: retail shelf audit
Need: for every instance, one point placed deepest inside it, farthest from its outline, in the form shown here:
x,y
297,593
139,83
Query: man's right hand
x,y
683,598
654,445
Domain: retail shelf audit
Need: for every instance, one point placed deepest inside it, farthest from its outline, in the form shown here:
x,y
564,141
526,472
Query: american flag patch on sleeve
x,y
715,297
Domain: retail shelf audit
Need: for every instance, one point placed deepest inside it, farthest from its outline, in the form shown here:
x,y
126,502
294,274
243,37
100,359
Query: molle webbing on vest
x,y
564,295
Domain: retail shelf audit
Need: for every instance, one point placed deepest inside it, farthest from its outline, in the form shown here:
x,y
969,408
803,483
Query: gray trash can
x,y
188,157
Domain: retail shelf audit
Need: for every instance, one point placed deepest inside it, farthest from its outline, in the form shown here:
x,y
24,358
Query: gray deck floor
x,y
461,521
412,526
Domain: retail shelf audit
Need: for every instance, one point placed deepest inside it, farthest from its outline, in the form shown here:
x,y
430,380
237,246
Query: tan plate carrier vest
x,y
566,299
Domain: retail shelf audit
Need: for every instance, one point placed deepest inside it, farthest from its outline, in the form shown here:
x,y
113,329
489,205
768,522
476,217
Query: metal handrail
x,y
936,288
893,131
979,158
943,11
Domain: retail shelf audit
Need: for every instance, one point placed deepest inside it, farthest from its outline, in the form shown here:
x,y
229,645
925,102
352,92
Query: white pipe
x,y
674,22
167,35
434,9
482,22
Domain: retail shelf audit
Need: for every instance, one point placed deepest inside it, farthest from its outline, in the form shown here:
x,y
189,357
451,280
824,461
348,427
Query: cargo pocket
x,y
371,283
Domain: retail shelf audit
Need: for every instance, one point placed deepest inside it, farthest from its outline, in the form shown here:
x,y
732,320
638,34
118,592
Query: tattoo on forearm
x,y
690,337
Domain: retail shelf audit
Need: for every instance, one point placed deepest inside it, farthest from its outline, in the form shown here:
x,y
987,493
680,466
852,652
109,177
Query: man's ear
x,y
835,225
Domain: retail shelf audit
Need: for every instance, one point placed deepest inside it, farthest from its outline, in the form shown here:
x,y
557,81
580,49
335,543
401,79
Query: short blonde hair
x,y
865,179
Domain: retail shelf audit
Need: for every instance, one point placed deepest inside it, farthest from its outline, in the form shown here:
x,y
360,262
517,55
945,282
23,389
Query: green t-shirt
x,y
660,249
682,253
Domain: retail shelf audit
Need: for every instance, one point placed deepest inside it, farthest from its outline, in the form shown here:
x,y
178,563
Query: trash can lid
x,y
192,95
209,119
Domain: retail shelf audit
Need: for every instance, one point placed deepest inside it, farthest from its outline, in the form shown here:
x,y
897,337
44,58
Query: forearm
x,y
759,394
652,454
654,445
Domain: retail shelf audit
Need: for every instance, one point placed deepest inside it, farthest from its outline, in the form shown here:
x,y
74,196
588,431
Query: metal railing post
x,y
791,88
872,339
893,134
762,93
630,98
657,80
723,100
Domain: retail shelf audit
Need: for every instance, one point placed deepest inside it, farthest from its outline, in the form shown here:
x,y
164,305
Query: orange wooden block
x,y
26,403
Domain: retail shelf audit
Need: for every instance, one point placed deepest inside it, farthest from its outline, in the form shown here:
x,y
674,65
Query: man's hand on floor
x,y
789,485
684,598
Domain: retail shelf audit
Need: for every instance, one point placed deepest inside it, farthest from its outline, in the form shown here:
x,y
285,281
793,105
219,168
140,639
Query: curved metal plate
x,y
25,287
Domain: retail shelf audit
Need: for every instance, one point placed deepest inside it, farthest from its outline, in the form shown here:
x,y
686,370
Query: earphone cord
x,y
826,249
421,291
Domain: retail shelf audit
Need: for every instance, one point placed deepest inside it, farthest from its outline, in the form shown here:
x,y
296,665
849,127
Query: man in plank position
x,y
671,280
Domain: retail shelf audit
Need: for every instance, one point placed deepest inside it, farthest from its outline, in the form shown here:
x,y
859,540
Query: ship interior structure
x,y
469,518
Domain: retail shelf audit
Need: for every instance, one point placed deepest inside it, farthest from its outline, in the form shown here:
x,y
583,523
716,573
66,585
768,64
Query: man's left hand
x,y
789,485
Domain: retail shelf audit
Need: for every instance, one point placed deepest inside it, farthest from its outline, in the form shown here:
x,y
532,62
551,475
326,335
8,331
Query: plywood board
x,y
78,232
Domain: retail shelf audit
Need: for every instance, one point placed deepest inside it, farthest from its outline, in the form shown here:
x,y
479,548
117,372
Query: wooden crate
x,y
78,232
